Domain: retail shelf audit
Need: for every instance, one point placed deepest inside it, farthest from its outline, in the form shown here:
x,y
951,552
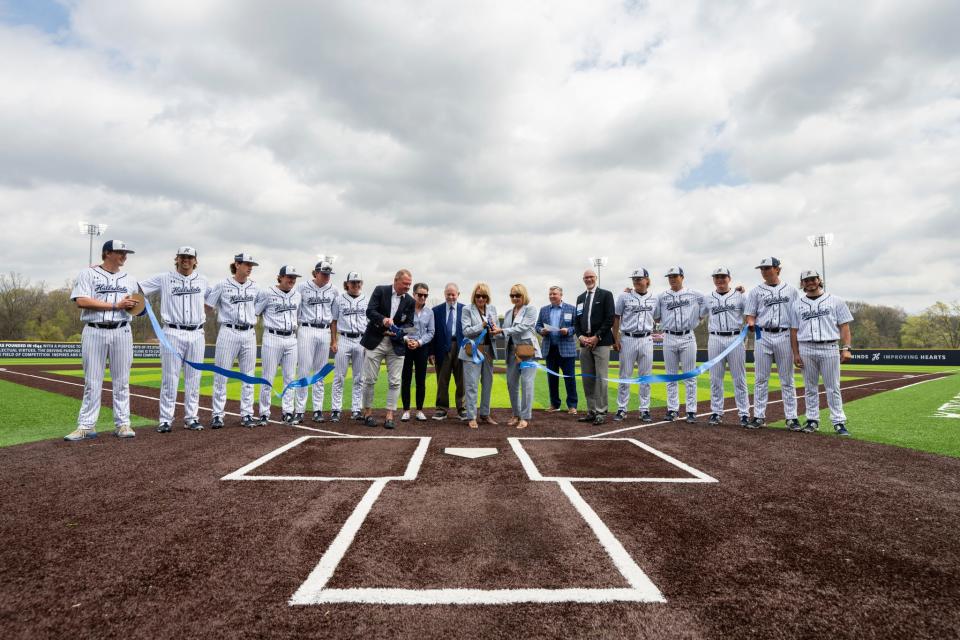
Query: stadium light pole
x,y
598,263
91,229
822,240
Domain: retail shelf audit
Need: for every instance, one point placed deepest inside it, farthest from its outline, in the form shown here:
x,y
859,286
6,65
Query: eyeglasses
x,y
422,295
516,295
481,296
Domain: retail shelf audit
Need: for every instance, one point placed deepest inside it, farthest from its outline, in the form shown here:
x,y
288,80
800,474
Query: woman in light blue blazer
x,y
479,317
519,328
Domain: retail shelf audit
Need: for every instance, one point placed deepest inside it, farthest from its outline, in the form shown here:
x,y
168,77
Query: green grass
x,y
28,415
903,417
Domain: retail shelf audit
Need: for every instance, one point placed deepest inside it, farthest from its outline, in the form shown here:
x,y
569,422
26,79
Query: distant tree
x,y
887,323
937,327
20,302
866,335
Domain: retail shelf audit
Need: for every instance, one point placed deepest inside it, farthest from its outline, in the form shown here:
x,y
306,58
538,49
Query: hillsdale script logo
x,y
110,288
723,308
676,304
185,290
241,298
810,315
774,300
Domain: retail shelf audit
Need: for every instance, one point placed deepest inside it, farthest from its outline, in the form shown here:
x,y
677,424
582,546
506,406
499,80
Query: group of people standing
x,y
306,321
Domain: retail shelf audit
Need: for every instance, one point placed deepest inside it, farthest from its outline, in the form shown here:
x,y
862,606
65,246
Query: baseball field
x,y
624,530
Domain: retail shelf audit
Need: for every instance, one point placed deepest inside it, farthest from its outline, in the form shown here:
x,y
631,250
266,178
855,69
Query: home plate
x,y
471,452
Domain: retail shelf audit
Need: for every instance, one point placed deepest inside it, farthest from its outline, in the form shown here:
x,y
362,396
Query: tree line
x,y
32,312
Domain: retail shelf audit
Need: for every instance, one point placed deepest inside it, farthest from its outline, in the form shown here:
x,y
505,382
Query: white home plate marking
x,y
471,452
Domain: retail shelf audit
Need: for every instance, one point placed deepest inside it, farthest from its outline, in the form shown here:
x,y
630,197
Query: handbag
x,y
524,352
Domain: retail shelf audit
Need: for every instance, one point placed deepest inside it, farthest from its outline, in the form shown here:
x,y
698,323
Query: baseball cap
x,y
117,245
809,273
187,251
324,267
640,272
354,276
287,270
245,257
721,271
768,262
675,271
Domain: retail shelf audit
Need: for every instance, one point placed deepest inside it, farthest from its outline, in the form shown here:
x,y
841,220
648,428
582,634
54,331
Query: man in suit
x,y
594,313
446,345
559,347
389,310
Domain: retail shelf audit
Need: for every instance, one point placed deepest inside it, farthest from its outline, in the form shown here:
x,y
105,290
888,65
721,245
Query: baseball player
x,y
679,311
350,314
725,323
768,307
817,321
315,336
103,293
182,294
232,298
279,305
632,329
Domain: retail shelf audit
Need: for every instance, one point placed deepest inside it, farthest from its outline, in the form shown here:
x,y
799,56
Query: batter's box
x,y
328,458
600,460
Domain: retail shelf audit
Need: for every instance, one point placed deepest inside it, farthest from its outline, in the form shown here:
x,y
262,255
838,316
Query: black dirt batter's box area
x,y
600,460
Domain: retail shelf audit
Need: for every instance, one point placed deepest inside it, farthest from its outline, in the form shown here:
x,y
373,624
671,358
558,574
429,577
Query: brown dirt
x,y
803,536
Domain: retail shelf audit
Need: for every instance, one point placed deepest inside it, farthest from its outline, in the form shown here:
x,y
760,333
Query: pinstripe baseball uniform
x,y
679,313
181,309
770,305
725,323
636,343
351,316
236,338
313,337
112,339
817,321
279,348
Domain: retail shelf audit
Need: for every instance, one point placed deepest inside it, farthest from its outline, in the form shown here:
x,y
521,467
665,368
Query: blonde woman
x,y
519,329
479,317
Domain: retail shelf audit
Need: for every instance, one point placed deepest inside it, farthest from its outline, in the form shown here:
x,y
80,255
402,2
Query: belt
x,y
239,327
107,325
315,325
350,335
677,333
821,341
774,329
186,327
724,333
642,334
277,332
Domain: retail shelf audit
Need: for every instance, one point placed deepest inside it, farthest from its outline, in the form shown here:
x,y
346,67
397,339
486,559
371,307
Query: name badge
x,y
579,308
568,317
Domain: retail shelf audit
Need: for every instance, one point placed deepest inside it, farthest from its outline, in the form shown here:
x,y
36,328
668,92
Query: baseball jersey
x,y
350,313
181,297
278,308
316,303
819,319
636,311
234,301
770,305
680,310
726,311
99,284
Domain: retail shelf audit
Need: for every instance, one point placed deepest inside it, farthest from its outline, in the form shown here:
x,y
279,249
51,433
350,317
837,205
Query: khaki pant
x,y
595,362
371,371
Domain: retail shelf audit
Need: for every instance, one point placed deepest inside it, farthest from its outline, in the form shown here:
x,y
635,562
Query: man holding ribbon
x,y
595,311
476,352
279,305
389,312
315,336
679,310
726,307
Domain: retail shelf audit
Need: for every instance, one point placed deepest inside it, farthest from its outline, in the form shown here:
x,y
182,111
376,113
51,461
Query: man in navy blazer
x,y
559,347
390,308
446,346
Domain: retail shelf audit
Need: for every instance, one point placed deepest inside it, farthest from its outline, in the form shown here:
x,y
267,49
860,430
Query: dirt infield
x,y
800,535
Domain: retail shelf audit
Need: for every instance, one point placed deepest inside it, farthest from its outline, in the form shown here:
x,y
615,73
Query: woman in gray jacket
x,y
479,317
519,328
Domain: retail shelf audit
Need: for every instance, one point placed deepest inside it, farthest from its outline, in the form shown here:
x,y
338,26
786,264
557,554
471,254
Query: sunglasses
x,y
481,296
422,295
515,295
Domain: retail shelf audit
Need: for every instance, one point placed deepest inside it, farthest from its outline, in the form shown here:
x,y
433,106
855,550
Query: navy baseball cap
x,y
768,262
324,267
245,257
721,271
640,272
287,270
117,245
674,271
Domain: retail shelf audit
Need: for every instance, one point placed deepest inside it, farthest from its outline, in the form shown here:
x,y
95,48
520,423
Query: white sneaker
x,y
405,417
420,416
124,432
80,434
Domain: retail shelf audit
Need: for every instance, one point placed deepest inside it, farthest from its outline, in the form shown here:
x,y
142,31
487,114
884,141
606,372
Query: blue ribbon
x,y
656,377
477,357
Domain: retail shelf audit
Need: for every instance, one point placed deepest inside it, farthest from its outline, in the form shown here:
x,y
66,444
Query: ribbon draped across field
x,y
227,373
655,377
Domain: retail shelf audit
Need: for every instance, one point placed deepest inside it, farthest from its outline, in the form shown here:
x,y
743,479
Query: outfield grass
x,y
28,415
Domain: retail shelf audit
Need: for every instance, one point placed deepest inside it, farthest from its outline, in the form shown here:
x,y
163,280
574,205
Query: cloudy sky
x,y
496,141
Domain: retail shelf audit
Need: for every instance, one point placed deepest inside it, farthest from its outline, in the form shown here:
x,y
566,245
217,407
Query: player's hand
x,y
333,347
126,303
740,289
388,322
616,345
798,361
564,331
845,356
544,332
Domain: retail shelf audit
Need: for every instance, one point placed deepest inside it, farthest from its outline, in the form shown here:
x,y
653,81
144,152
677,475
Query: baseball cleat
x,y
810,426
287,417
715,419
462,414
124,431
405,417
744,420
691,417
193,425
671,416
248,421
164,427
440,414
645,416
318,416
841,429
757,423
80,434
264,419
620,416
420,416
334,416
297,418
356,415
794,425
216,423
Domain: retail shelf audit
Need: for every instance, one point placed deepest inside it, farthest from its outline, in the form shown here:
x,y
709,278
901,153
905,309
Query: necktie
x,y
450,322
589,308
